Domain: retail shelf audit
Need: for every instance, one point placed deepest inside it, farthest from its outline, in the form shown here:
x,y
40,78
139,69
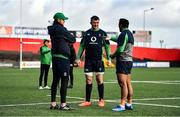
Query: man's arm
x,y
107,49
68,36
81,49
44,50
121,45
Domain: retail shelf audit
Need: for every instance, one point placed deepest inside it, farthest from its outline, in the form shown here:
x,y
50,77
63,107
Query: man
x,y
93,42
124,64
72,60
60,40
45,57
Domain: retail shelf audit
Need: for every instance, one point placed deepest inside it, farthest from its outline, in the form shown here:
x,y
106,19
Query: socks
x,y
88,92
101,91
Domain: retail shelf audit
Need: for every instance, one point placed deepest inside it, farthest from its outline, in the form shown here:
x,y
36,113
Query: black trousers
x,y
44,72
71,78
60,73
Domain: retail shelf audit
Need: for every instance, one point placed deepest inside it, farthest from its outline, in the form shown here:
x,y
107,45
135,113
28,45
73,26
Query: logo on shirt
x,y
93,40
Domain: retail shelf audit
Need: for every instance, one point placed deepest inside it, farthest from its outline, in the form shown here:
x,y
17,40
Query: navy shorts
x,y
93,66
124,67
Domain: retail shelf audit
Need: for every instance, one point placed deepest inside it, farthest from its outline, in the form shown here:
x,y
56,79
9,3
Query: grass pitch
x,y
156,93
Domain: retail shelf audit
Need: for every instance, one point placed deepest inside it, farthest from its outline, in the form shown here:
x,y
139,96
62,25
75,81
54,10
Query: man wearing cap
x,y
45,57
124,64
93,42
60,40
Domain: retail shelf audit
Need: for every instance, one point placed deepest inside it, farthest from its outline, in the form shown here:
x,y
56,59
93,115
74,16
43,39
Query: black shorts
x,y
93,66
124,67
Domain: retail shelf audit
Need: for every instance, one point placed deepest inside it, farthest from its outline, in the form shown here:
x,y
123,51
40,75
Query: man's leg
x,y
41,74
88,87
46,75
130,89
99,79
122,79
89,78
55,81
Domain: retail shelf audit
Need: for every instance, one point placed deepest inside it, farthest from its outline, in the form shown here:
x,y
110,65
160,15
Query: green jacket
x,y
45,55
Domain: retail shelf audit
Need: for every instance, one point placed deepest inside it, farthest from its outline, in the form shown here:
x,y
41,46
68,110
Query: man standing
x,y
93,41
124,64
60,40
72,60
45,57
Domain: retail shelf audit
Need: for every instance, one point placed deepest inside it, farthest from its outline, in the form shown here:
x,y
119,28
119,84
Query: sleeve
x,y
121,43
68,36
81,48
44,50
114,38
106,44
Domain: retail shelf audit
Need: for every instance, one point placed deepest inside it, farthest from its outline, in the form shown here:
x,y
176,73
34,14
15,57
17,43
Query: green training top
x,y
45,55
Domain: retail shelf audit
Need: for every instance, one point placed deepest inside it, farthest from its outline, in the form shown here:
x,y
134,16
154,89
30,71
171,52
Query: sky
x,y
163,21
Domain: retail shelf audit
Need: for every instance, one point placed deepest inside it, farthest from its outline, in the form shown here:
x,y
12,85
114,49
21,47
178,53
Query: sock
x,y
122,106
128,104
88,92
101,91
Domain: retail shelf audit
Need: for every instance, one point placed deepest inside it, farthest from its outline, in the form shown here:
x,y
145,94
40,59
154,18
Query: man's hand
x,y
77,61
109,63
108,38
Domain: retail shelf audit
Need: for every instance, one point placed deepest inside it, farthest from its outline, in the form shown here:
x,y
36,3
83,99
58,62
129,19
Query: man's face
x,y
46,43
120,27
95,24
61,21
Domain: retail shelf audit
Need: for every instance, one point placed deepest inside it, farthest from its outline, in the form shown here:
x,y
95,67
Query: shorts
x,y
124,67
91,66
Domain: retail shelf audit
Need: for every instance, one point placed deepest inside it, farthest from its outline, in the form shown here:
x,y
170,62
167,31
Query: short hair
x,y
94,18
45,40
124,22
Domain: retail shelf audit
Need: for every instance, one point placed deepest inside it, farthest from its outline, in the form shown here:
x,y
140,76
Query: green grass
x,y
21,87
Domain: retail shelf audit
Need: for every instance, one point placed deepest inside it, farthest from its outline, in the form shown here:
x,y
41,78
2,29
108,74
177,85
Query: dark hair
x,y
124,23
94,18
45,41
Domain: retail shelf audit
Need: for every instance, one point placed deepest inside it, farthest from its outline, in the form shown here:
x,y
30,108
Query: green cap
x,y
59,15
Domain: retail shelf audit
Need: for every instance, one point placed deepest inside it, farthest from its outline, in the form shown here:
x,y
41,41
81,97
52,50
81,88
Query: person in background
x,y
45,58
93,42
72,60
124,64
60,40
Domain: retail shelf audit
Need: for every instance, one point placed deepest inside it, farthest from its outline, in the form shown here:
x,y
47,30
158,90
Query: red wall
x,y
156,54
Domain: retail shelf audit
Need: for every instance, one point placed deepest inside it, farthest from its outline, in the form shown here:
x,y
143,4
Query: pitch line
x,y
33,104
146,104
153,82
159,105
95,100
150,99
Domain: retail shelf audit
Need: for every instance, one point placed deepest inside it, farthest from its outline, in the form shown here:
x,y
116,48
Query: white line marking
x,y
155,82
33,104
95,100
172,98
30,104
159,105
